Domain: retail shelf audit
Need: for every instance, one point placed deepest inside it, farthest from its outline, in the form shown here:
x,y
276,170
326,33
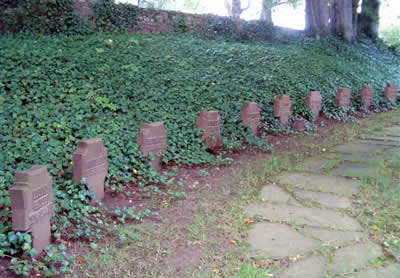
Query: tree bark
x,y
266,12
369,18
333,16
323,20
310,20
236,9
356,4
343,13
317,17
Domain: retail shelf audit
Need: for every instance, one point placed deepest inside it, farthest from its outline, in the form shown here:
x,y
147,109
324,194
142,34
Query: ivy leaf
x,y
93,246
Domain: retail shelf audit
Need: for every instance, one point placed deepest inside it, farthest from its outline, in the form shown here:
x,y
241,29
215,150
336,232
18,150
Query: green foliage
x,y
391,36
250,271
378,203
217,27
55,262
41,16
155,4
109,16
59,16
58,90
14,242
180,25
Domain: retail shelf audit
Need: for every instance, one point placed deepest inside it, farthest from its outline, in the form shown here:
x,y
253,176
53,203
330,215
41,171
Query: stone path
x,y
303,212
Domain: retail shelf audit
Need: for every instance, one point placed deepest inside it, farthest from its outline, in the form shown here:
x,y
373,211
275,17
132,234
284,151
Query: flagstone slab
x,y
327,199
380,138
316,165
351,258
364,158
380,143
392,271
359,147
312,267
305,216
354,170
274,193
392,131
334,238
337,185
276,241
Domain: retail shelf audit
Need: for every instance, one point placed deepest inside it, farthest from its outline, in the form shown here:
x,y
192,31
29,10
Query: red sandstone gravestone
x,y
343,97
366,95
314,102
250,115
282,106
209,122
90,162
32,204
152,138
391,92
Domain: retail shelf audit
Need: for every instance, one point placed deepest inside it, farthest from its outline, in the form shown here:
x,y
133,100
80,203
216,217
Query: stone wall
x,y
158,21
83,7
152,20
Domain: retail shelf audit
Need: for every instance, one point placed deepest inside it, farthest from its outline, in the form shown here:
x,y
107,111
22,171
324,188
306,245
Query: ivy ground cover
x,y
58,90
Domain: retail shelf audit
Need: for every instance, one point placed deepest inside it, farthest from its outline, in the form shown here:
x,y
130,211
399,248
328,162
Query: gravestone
x,y
90,162
250,115
282,106
152,138
209,122
366,95
32,204
391,92
314,102
343,97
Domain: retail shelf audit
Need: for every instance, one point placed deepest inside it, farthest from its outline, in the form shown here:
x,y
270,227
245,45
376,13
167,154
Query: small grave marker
x,y
250,115
366,95
32,204
282,108
152,138
391,92
314,102
343,97
90,162
209,122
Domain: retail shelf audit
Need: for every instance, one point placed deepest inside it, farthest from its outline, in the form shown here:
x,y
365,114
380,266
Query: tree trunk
x,y
236,9
369,18
266,12
343,13
310,20
356,4
333,16
323,20
317,16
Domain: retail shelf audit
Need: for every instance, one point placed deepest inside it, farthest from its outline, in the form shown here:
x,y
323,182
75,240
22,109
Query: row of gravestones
x,y
31,195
